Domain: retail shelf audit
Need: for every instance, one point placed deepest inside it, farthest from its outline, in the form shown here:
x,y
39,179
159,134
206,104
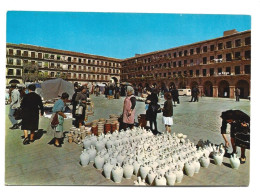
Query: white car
x,y
184,92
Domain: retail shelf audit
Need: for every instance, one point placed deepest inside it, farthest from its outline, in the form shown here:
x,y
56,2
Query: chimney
x,y
230,32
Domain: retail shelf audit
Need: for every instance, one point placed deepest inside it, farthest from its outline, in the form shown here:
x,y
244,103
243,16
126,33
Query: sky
x,y
117,35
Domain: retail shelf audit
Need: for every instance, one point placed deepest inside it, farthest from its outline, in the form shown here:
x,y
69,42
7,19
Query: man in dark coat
x,y
31,104
175,96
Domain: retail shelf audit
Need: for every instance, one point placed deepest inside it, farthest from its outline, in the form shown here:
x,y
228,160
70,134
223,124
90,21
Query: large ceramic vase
x,y
137,165
84,158
160,180
99,161
218,158
87,143
170,178
150,177
117,173
128,170
189,169
179,175
204,161
92,153
107,168
144,170
234,161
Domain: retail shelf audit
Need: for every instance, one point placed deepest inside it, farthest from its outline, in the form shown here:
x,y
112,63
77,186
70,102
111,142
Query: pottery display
x,y
150,177
92,153
189,168
99,161
107,168
204,161
117,173
128,170
170,177
234,161
160,180
84,158
218,158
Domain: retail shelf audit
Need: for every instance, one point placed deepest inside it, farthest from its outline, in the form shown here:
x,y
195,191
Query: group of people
x,y
195,94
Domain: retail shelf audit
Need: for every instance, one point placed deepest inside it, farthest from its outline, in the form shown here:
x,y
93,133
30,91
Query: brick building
x,y
217,66
33,63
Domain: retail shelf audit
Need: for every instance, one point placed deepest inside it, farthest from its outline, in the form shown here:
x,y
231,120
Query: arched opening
x,y
193,84
243,85
14,81
223,89
115,80
208,89
182,85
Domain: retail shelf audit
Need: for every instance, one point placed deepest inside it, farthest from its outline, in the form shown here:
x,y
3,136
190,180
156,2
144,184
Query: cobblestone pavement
x,y
40,163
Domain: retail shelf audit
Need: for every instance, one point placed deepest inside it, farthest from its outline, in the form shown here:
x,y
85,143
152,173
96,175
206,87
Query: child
x,y
167,111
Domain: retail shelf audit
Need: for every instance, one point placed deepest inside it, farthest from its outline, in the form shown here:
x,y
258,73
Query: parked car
x,y
184,92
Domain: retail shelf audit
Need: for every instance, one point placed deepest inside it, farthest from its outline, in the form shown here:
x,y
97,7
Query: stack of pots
x,y
114,122
94,128
100,127
107,126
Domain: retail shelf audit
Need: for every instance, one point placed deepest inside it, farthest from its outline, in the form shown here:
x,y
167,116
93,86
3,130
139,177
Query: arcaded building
x,y
217,66
34,63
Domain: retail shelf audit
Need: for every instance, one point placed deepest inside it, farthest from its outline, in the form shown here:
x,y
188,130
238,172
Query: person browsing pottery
x,y
31,104
15,103
129,108
167,112
59,108
81,100
239,121
151,112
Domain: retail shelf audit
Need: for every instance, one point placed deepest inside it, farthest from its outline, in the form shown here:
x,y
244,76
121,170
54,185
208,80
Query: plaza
x,y
40,163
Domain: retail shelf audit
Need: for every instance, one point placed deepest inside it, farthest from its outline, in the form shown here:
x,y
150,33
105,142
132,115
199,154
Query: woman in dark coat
x,y
31,104
151,113
175,96
239,122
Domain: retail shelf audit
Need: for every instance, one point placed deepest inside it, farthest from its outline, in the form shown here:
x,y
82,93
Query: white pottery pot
x,y
128,170
92,153
84,158
99,145
144,170
234,161
197,166
170,177
87,143
107,168
150,177
204,161
160,180
99,161
179,175
136,165
117,173
218,158
189,169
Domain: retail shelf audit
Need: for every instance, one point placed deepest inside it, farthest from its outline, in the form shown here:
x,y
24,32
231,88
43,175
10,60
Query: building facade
x,y
216,66
32,63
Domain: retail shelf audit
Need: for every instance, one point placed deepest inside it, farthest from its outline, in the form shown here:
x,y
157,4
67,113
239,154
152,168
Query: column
x,y
232,91
201,90
215,91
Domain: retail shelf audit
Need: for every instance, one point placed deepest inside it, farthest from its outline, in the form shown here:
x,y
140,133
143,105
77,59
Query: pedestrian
x,y
106,90
15,104
117,92
97,90
74,105
31,105
240,122
167,112
59,108
237,93
175,96
129,108
81,102
151,112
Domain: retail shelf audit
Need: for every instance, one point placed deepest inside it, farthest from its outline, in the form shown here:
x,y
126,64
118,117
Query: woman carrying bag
x,y
57,118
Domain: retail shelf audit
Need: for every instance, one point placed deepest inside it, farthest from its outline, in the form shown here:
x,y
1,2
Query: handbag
x,y
55,120
18,114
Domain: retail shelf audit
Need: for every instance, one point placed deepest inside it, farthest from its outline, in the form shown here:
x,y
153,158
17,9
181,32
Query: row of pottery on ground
x,y
155,159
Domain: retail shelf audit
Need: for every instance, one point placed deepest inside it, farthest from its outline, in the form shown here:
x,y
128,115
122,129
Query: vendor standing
x,y
129,108
239,121
81,100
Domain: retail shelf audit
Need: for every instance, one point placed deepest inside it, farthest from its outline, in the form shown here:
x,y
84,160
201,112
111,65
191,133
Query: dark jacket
x,y
31,104
175,95
151,114
168,108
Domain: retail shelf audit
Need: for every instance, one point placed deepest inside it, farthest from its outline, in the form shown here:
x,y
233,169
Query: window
x,y
211,58
46,55
237,69
185,62
228,44
40,64
45,64
174,64
228,57
58,57
40,55
220,56
18,72
11,51
79,60
238,42
212,47
205,49
175,54
191,51
179,72
205,60
18,62
237,55
228,70
52,65
25,53
197,72
179,63
164,75
191,72
197,50
180,53
191,62
204,72
220,46
18,52
247,40
211,71
10,61
248,54
219,70
10,72
247,69
33,54
52,56
185,52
